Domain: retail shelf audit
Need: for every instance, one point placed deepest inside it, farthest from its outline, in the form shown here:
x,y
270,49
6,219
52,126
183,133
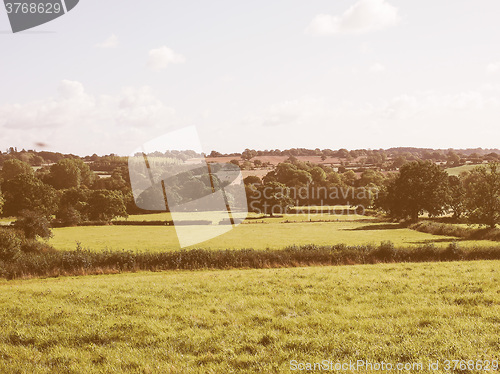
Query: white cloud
x,y
291,112
415,119
364,16
400,107
430,103
82,120
307,112
493,67
70,89
111,42
132,106
377,68
160,58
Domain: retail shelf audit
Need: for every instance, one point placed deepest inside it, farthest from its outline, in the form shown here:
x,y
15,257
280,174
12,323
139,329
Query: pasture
x,y
272,233
251,320
460,169
341,213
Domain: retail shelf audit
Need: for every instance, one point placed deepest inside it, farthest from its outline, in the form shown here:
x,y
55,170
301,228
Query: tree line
x,y
67,190
422,187
419,187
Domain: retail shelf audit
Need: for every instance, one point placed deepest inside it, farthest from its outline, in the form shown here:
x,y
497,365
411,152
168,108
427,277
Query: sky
x,y
112,75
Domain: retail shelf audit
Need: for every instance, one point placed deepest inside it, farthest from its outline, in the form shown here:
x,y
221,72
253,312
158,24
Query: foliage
x,y
73,199
248,154
78,205
371,178
106,205
10,244
460,231
482,186
27,192
270,198
90,262
35,246
69,216
33,224
456,196
70,173
420,187
289,174
13,168
252,179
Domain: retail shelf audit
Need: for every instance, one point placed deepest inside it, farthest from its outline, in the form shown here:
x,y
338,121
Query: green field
x,y
5,221
251,320
216,217
460,169
271,234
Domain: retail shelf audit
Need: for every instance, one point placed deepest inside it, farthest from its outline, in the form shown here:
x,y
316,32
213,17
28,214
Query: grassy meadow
x,y
271,233
250,320
305,214
460,169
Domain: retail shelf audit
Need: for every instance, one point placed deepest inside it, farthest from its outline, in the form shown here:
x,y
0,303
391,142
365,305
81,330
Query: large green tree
x,y
482,194
33,224
106,205
27,192
12,168
456,195
420,187
289,174
69,173
270,198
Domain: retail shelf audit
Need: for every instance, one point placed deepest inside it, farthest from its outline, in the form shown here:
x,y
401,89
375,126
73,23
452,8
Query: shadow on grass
x,y
383,226
369,220
450,240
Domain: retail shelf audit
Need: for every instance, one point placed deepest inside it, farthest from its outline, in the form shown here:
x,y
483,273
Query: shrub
x,y
33,224
436,228
452,252
34,246
10,244
385,251
69,216
80,262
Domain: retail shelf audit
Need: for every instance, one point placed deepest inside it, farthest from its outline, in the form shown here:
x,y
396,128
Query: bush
x,y
385,251
10,244
34,246
69,216
82,262
33,224
436,228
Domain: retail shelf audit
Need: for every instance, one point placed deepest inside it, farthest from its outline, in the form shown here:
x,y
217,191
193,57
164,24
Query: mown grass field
x,y
343,213
460,169
273,233
251,320
5,221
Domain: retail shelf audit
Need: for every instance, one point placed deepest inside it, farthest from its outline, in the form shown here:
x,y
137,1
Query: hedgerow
x,y
82,261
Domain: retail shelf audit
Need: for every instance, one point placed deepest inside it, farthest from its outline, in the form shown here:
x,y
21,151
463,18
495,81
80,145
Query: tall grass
x,y
253,321
446,229
83,262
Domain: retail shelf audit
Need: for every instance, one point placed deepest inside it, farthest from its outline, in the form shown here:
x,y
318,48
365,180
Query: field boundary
x,y
447,229
86,262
